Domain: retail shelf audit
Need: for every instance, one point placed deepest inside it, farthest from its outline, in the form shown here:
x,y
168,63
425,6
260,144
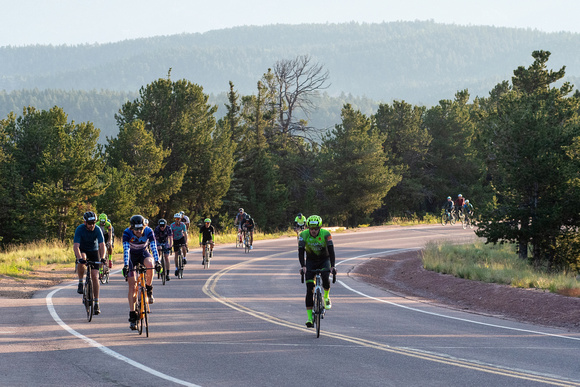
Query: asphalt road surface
x,y
241,323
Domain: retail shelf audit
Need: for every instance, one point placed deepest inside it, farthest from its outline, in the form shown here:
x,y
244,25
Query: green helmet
x,y
314,221
103,218
207,220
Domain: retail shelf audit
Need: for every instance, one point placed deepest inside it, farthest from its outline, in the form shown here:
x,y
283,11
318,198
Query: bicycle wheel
x,y
88,297
247,244
453,219
206,258
443,219
180,262
163,272
140,309
144,319
318,312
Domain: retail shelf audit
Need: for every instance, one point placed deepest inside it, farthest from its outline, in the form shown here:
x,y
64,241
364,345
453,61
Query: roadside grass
x,y
19,260
494,264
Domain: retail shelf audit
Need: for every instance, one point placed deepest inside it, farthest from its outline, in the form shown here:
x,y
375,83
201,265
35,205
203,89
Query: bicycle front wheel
x,y
141,309
88,297
180,262
163,271
247,245
206,258
318,312
443,219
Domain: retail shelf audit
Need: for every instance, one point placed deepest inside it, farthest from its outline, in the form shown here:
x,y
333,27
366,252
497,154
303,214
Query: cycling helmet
x,y
207,220
146,222
103,218
241,210
314,221
162,222
177,215
466,201
247,217
460,196
90,217
448,197
137,222
300,214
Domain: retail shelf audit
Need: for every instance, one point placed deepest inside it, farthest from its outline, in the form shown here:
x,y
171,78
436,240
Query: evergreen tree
x,y
527,134
407,143
355,174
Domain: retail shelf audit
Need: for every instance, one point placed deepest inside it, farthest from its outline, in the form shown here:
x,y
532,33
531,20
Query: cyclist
x,y
468,209
108,233
185,220
299,223
248,226
316,242
459,202
238,221
179,231
136,238
206,235
89,245
449,207
164,238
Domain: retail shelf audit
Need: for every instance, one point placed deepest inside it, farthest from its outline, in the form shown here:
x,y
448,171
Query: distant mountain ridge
x,y
421,62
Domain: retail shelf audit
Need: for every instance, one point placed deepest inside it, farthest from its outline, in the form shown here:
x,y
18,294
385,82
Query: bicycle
x,y
179,266
447,217
88,300
246,242
468,221
104,273
239,241
208,255
142,301
163,272
318,310
298,230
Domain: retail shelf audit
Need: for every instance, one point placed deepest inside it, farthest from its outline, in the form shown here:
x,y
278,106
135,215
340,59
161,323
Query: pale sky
x,y
26,22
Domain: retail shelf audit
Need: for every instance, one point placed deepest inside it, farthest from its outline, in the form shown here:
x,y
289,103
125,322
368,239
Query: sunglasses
x,y
138,229
314,228
91,223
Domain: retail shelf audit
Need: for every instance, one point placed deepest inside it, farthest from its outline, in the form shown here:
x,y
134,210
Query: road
x,y
241,323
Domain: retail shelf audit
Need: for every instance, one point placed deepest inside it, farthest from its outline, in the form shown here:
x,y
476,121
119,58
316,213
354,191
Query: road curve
x,y
241,323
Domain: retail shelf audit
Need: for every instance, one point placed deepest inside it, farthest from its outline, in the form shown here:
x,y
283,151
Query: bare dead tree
x,y
297,81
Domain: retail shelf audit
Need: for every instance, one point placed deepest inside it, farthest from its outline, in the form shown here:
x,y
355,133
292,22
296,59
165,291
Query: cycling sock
x,y
309,313
326,291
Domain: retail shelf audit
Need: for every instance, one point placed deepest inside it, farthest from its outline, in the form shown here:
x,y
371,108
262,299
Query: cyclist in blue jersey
x,y
179,231
317,244
136,238
164,238
89,245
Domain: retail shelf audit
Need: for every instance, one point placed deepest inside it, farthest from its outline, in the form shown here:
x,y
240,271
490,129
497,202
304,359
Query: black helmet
x,y
247,216
300,214
90,216
162,222
137,221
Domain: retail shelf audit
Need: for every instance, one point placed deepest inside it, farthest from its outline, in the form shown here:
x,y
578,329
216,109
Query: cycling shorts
x,y
91,255
206,241
177,243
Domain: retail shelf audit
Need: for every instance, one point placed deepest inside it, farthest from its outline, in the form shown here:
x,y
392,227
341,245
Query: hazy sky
x,y
26,22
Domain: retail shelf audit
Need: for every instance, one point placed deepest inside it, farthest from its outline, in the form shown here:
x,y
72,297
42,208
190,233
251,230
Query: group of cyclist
x,y
141,244
245,225
460,206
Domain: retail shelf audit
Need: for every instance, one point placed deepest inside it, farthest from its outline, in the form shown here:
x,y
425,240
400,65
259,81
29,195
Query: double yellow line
x,y
209,289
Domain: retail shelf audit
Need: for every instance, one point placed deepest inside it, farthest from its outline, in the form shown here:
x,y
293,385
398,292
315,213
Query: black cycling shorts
x,y
92,256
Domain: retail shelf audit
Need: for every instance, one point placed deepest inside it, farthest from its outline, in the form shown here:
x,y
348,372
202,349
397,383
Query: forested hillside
x,y
420,62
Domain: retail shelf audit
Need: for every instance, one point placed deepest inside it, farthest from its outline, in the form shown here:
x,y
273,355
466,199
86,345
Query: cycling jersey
x,y
318,248
206,234
300,221
449,205
88,240
248,224
137,246
178,231
162,235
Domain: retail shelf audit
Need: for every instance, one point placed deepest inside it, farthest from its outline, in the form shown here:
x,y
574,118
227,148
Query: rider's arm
x,y
77,250
330,246
102,250
200,236
301,252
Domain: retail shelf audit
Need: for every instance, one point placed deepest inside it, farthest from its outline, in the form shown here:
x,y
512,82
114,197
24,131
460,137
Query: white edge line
x,y
107,350
390,252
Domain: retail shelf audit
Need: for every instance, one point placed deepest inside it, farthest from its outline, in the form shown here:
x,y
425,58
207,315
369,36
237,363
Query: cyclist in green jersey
x,y
107,228
317,243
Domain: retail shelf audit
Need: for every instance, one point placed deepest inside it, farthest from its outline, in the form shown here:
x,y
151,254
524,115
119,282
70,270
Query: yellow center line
x,y
209,289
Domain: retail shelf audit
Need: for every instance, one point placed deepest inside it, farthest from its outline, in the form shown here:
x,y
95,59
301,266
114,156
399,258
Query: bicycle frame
x,y
88,299
318,309
141,300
